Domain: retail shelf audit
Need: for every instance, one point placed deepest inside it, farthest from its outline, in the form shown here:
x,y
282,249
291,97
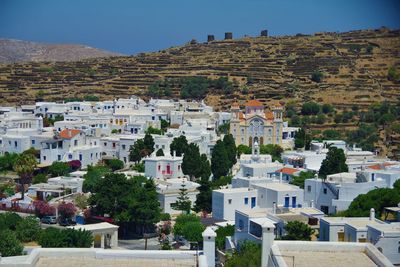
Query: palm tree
x,y
24,167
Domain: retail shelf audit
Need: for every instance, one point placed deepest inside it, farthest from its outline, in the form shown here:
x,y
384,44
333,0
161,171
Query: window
x,y
75,142
44,157
33,142
123,147
15,143
325,191
105,144
58,157
241,225
246,200
229,201
309,188
80,157
70,156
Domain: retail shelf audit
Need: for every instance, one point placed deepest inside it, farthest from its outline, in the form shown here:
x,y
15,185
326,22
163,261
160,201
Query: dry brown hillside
x,y
12,51
355,66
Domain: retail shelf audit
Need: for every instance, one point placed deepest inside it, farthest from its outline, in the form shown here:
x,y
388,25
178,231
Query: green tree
x,y
222,233
248,254
190,162
24,167
300,179
331,134
149,143
138,151
296,230
317,76
204,197
326,108
81,201
139,167
302,139
7,161
377,199
183,202
219,161
164,124
160,153
243,149
274,150
181,229
310,108
93,176
204,167
58,168
335,162
39,178
10,245
230,148
114,164
192,231
28,229
179,145
156,131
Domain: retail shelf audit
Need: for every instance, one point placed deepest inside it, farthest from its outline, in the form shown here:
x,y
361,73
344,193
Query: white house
x,y
338,191
163,167
226,201
386,238
168,192
71,144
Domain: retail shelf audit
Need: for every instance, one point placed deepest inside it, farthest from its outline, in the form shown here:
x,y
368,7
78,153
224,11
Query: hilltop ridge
x,y
354,65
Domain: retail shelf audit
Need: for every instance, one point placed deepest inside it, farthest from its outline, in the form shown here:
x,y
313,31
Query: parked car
x,y
49,219
66,222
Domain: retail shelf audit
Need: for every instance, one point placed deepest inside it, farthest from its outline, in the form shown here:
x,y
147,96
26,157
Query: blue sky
x,y
135,26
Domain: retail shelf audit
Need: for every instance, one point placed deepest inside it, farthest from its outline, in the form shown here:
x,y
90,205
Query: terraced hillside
x,y
355,67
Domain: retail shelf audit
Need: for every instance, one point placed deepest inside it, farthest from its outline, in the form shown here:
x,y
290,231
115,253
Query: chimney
x,y
312,203
267,242
228,36
280,176
371,214
209,245
274,208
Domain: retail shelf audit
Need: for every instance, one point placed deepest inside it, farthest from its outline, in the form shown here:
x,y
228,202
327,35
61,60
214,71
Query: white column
x,y
267,241
209,246
102,240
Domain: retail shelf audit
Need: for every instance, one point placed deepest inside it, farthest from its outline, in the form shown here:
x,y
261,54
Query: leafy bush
x,y
10,245
248,254
296,230
65,238
59,168
66,210
28,229
39,178
42,208
9,220
222,233
114,164
165,217
310,108
317,76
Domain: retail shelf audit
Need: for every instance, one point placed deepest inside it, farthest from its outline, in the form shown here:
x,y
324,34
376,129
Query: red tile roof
x,y
380,166
254,103
69,133
289,171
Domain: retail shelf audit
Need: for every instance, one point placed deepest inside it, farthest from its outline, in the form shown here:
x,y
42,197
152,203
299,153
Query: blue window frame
x,y
294,204
253,202
246,201
80,157
287,199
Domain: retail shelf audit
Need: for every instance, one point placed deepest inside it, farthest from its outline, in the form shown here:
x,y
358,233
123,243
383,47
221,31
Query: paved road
x,y
138,244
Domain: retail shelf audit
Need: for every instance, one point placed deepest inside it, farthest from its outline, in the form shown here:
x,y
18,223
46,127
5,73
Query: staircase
x,y
334,191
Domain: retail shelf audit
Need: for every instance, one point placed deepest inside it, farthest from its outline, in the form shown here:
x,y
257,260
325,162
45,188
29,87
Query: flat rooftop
x,y
327,259
356,222
91,262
